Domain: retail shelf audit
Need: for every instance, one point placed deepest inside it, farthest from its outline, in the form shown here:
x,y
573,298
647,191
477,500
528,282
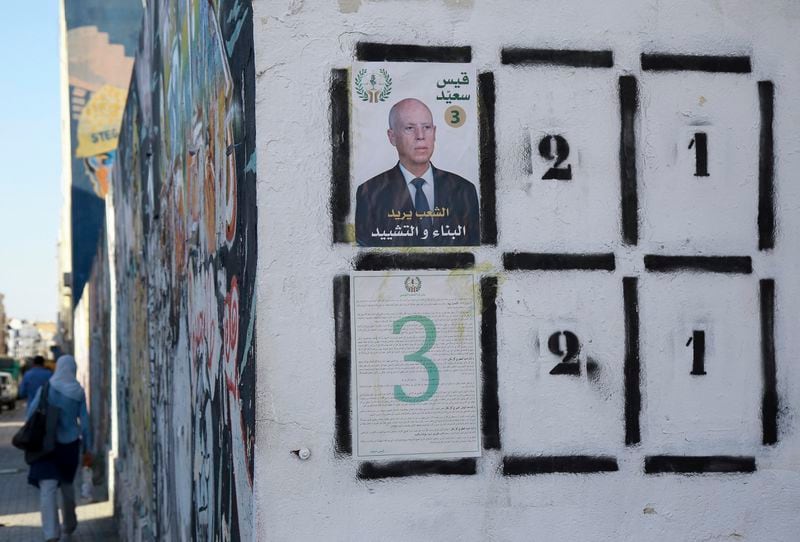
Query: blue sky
x,y
30,154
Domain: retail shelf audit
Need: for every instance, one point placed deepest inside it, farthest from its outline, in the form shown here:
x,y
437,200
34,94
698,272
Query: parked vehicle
x,y
11,365
8,391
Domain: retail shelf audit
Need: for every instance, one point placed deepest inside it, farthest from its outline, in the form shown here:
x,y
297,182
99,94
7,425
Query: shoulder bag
x,y
38,436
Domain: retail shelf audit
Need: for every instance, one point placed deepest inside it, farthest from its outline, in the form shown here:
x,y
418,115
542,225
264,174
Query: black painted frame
x,y
490,415
340,203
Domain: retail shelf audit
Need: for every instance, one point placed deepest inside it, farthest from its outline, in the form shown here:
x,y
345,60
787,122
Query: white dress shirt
x,y
427,188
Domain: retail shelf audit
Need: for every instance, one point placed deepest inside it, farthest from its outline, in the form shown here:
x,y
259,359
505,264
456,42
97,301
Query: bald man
x,y
414,203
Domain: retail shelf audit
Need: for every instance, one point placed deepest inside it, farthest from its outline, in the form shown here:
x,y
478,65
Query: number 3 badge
x,y
455,116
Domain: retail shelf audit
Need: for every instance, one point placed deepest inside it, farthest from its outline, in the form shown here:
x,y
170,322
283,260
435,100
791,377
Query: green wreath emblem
x,y
362,92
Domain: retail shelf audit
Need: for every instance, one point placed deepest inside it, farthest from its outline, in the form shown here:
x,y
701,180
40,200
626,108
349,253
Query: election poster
x,y
414,154
414,371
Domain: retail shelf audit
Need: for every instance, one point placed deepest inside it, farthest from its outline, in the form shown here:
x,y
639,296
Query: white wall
x,y
82,340
297,44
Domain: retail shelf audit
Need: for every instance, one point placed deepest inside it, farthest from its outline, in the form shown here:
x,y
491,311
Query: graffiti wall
x,y
100,41
92,353
634,278
183,189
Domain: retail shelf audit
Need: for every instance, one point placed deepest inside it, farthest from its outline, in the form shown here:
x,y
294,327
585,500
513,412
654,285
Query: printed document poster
x,y
415,154
415,365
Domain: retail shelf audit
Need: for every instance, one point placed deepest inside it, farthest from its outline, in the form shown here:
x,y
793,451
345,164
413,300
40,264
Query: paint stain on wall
x,y
349,6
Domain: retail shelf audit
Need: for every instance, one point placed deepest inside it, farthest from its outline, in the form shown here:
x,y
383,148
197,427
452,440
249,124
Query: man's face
x,y
413,134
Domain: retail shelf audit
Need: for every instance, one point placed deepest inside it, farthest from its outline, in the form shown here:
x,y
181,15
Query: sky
x,y
30,158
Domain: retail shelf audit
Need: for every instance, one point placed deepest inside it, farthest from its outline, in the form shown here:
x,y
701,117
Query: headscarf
x,y
64,381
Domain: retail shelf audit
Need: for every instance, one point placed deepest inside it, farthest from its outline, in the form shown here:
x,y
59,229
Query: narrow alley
x,y
19,502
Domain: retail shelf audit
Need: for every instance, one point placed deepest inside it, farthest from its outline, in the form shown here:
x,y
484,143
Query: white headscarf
x,y
64,381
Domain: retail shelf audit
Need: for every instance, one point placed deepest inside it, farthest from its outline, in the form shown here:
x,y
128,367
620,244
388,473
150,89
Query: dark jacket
x,y
388,193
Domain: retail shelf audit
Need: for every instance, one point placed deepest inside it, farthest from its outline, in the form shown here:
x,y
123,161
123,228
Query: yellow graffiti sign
x,y
98,126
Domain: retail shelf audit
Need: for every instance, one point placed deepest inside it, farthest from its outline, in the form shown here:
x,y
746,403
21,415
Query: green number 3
x,y
455,118
419,357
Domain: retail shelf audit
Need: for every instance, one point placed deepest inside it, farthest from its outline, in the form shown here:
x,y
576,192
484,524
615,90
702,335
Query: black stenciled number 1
x,y
700,144
561,153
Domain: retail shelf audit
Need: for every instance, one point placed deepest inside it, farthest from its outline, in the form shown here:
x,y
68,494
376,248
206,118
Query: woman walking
x,y
58,468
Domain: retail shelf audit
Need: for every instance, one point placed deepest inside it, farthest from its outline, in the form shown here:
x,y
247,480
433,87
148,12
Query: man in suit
x,y
414,203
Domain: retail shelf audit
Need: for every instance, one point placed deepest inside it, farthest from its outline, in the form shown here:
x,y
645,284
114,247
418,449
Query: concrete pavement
x,y
19,502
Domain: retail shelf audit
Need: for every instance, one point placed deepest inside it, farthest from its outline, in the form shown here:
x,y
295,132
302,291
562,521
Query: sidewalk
x,y
19,502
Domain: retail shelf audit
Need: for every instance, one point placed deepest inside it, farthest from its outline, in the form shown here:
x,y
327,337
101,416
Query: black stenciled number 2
x,y
570,364
561,154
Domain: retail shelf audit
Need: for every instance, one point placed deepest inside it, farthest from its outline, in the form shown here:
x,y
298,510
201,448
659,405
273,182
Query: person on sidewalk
x,y
58,469
34,378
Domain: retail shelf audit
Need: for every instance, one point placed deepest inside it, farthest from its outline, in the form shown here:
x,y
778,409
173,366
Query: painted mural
x,y
101,41
183,190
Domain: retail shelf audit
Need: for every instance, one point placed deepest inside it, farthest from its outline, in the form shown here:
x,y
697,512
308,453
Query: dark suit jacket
x,y
388,192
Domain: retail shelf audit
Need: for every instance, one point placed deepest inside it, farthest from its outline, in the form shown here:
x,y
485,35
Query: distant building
x,y
3,331
24,339
48,331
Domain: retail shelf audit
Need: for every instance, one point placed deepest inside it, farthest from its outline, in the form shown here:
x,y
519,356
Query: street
x,y
19,502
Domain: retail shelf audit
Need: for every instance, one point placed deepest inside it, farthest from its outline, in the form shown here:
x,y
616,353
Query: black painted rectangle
x,y
398,52
766,167
341,369
400,469
708,464
340,154
710,264
557,57
488,157
632,364
628,108
769,399
569,464
490,403
702,63
530,261
382,261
